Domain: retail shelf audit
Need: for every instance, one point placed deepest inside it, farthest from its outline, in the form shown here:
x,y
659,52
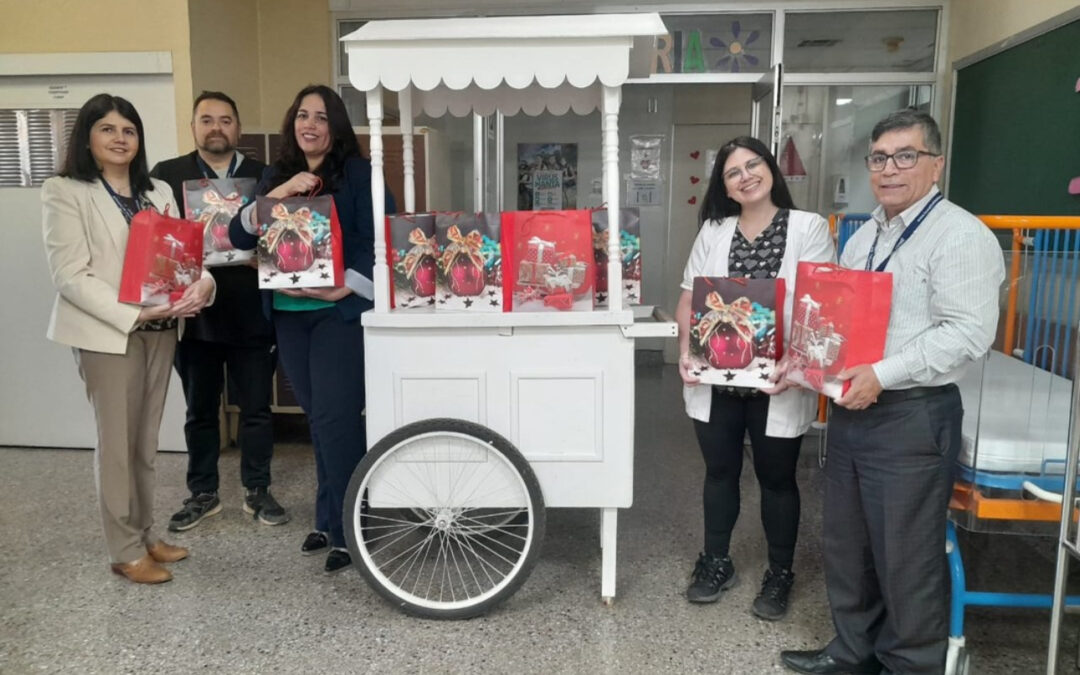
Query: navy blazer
x,y
352,199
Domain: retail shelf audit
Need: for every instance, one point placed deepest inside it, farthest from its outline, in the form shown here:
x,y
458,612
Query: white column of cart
x,y
558,386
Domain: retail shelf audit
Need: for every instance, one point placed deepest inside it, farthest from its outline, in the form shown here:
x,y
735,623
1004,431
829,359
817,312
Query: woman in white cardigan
x,y
124,353
749,228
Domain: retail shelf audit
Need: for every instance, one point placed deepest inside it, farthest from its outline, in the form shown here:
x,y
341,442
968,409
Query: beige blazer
x,y
85,239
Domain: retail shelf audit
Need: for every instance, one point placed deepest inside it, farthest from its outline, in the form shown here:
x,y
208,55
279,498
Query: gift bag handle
x,y
316,189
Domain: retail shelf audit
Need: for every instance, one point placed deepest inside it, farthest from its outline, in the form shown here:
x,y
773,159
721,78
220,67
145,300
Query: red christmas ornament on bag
x,y
727,332
292,253
728,350
289,239
466,278
422,280
218,235
463,263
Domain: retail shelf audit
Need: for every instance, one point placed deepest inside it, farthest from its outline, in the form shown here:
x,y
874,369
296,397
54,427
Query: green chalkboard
x,y
1016,130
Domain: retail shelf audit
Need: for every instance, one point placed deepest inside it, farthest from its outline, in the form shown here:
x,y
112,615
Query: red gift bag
x,y
299,243
163,257
840,320
411,255
736,330
548,258
213,202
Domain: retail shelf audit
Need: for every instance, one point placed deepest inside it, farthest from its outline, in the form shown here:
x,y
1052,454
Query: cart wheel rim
x,y
448,524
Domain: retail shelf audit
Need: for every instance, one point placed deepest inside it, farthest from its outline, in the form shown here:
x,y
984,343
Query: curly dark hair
x,y
291,161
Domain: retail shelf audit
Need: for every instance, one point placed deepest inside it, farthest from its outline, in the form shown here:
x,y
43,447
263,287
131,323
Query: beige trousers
x,y
127,392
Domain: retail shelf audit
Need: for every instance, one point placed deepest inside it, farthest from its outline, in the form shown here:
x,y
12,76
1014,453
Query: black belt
x,y
898,395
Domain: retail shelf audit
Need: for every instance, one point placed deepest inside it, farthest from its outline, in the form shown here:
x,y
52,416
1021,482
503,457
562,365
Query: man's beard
x,y
217,145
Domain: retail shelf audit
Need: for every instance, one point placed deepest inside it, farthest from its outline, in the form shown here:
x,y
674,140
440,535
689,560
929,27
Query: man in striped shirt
x,y
894,436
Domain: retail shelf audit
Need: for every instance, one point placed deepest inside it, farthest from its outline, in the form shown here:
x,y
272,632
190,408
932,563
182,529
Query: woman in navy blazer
x,y
319,335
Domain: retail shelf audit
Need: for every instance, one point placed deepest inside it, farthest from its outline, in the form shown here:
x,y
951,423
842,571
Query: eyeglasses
x,y
904,159
750,167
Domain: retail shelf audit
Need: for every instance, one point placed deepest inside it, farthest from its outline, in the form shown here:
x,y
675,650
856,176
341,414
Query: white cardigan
x,y
792,411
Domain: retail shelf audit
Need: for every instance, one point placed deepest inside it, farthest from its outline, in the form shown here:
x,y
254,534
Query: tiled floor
x,y
246,601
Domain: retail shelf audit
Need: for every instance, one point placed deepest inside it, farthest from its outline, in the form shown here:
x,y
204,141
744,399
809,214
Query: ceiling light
x,y
843,101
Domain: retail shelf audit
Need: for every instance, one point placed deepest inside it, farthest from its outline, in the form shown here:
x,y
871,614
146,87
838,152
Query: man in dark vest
x,y
233,334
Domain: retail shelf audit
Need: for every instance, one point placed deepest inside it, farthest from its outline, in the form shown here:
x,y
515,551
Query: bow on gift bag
x,y
228,204
728,352
423,247
462,262
292,230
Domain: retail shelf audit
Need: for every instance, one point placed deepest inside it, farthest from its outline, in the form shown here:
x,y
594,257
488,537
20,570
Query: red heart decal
x,y
692,200
695,154
694,180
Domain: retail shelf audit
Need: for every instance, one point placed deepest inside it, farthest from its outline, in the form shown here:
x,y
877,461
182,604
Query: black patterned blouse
x,y
758,259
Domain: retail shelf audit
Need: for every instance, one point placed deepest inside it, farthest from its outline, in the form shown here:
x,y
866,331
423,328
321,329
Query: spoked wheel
x,y
444,518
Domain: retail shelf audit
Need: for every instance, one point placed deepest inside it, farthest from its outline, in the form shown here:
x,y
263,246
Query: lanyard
x,y
207,172
904,236
121,202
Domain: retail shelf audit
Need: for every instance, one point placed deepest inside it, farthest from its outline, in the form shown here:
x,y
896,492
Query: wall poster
x,y
547,176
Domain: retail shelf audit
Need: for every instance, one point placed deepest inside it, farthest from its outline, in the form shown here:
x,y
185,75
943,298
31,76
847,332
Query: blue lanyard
x,y
207,172
121,202
904,236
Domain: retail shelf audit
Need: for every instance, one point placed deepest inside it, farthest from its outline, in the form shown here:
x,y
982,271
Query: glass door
x,y
767,112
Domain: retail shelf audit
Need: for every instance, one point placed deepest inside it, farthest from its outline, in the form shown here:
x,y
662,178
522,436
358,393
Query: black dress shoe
x,y
817,661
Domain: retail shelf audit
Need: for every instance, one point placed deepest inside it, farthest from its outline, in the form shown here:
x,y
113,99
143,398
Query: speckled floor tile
x,y
248,602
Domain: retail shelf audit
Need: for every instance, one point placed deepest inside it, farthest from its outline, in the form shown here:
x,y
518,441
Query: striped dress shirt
x,y
946,291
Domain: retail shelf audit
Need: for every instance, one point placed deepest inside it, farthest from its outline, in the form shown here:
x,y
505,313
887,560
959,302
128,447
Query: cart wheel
x,y
444,518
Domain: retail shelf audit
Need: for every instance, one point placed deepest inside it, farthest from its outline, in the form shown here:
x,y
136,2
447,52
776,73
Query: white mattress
x,y
1020,419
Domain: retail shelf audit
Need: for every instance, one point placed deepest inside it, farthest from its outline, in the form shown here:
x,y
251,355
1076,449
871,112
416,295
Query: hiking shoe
x,y
337,560
712,576
196,507
771,603
263,507
314,543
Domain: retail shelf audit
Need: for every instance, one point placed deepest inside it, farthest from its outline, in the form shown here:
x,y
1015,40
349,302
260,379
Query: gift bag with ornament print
x,y
163,257
840,320
299,243
470,262
548,261
629,254
412,255
736,330
213,202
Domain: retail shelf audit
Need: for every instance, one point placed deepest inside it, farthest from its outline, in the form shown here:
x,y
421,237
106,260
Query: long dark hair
x,y
343,144
79,162
717,204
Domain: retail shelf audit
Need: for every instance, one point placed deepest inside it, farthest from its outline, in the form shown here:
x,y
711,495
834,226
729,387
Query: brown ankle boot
x,y
166,553
145,570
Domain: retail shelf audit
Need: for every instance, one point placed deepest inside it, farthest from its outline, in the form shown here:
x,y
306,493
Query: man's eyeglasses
x,y
734,173
904,159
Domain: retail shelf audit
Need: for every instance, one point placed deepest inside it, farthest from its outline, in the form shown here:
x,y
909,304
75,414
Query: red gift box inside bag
x,y
550,257
163,257
840,320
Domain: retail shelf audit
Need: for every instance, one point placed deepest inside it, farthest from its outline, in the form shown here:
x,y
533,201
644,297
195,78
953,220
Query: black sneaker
x,y
337,560
712,576
263,507
314,543
771,603
196,507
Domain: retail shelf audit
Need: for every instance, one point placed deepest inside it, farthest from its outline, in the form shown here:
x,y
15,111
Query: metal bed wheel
x,y
444,518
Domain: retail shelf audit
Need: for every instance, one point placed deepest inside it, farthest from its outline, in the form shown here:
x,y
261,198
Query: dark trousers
x,y
887,487
323,356
251,372
775,459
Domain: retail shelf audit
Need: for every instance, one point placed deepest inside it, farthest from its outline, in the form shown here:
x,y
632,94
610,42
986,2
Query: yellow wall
x,y
225,55
294,51
977,24
43,26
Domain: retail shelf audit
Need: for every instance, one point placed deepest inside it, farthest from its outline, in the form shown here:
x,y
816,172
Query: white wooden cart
x,y
477,422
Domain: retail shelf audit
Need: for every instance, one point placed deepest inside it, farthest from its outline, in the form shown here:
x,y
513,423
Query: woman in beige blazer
x,y
124,352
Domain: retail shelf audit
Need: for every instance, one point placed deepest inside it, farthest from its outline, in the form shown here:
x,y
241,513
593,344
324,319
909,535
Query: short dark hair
x,y
907,119
216,96
79,162
343,143
717,204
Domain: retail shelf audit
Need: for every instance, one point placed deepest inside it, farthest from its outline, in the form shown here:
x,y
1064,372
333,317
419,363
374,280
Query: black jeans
x,y
251,372
775,459
887,486
323,356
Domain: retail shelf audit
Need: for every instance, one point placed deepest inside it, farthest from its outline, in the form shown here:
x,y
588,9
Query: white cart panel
x,y
563,395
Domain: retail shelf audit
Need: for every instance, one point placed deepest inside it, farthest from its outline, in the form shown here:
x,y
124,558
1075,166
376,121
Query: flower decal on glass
x,y
736,56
